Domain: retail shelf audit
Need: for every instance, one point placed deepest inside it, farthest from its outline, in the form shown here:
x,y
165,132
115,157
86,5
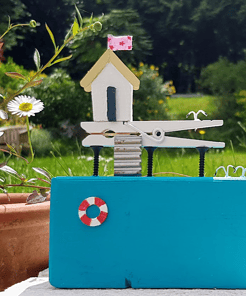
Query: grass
x,y
179,107
188,163
172,163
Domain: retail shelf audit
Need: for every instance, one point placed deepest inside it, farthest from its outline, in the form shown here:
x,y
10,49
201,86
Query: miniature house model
x,y
111,85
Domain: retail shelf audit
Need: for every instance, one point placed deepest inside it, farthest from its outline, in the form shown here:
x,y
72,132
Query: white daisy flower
x,y
25,106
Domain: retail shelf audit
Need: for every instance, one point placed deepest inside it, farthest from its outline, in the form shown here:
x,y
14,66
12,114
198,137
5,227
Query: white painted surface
x,y
81,213
110,76
168,142
91,200
148,126
104,208
95,222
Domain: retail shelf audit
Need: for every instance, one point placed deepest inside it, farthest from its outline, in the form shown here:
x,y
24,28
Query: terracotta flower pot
x,y
24,238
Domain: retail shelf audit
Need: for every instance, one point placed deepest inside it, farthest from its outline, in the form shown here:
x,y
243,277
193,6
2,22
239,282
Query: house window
x,y
111,101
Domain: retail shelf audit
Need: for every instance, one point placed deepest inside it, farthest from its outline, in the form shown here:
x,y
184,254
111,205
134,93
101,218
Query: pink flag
x,y
119,42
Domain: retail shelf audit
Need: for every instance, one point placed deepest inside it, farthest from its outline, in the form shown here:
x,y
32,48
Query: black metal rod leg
x,y
150,151
202,151
96,150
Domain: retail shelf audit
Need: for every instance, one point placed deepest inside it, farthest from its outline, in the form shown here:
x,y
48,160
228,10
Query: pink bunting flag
x,y
119,42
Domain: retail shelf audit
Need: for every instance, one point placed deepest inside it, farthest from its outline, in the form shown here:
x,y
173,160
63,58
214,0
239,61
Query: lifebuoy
x,y
90,201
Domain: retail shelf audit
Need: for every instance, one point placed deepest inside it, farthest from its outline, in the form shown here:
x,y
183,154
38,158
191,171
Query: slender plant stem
x,y
59,163
29,138
12,27
233,153
15,154
43,180
23,185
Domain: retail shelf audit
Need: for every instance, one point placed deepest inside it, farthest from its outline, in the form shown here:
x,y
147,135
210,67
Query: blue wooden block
x,y
160,233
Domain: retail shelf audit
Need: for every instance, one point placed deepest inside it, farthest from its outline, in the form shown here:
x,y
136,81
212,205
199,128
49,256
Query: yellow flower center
x,y
25,107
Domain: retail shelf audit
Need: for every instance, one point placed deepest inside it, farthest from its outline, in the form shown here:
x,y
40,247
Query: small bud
x,y
98,26
33,24
92,28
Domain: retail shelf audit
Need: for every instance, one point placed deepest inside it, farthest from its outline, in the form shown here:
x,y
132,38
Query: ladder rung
x,y
127,155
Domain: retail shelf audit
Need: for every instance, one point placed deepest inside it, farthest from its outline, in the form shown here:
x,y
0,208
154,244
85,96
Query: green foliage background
x,y
181,37
199,44
226,80
87,48
150,100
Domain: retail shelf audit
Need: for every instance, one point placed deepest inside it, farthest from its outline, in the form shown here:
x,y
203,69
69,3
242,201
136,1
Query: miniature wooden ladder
x,y
127,155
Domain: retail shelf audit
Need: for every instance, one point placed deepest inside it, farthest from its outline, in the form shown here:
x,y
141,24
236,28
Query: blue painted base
x,y
160,233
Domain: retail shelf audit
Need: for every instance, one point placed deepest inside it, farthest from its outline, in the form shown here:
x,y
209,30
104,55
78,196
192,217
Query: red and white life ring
x,y
90,201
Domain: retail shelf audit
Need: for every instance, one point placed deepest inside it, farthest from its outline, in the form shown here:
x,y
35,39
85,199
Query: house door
x,y
111,101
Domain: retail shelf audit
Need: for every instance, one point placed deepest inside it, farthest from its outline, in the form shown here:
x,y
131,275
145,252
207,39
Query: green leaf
x,y
61,60
42,172
43,192
36,58
9,170
51,35
11,148
242,126
3,164
32,180
9,25
75,27
15,75
68,34
34,83
91,19
79,17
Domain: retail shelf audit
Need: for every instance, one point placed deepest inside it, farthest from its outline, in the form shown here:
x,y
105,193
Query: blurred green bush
x,y
41,141
149,102
226,80
223,77
88,48
63,98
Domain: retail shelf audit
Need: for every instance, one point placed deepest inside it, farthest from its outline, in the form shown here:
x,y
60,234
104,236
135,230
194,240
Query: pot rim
x,y
19,215
15,198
